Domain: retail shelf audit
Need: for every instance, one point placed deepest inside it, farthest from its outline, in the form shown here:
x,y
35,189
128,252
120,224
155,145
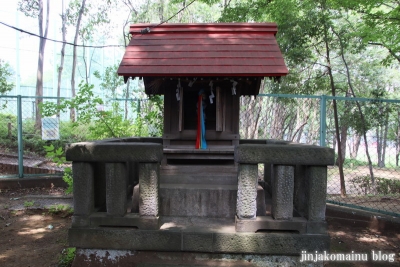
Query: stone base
x,y
267,223
125,258
178,240
133,221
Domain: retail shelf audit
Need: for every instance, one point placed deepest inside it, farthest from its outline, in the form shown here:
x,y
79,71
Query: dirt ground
x,y
32,236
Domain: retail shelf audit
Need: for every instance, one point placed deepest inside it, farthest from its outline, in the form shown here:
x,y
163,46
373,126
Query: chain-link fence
x,y
369,131
33,145
368,175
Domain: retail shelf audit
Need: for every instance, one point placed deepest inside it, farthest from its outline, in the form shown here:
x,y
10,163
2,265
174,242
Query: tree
x,y
378,25
5,74
85,17
35,9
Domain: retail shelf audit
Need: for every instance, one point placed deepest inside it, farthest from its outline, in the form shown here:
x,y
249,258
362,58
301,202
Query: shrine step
x,y
184,153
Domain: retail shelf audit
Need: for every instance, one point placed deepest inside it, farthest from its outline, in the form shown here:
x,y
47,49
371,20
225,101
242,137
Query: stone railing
x,y
104,174
295,175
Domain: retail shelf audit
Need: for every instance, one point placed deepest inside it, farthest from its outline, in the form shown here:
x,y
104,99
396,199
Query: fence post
x,y
322,121
20,142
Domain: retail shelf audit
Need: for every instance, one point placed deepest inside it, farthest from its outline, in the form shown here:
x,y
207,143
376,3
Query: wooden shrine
x,y
223,61
197,190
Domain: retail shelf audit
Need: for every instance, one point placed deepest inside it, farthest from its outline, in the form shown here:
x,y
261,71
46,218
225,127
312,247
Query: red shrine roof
x,y
203,50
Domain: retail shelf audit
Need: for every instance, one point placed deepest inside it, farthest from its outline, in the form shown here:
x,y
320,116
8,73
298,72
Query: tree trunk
x,y
60,68
343,141
385,133
371,171
355,146
335,115
39,79
74,57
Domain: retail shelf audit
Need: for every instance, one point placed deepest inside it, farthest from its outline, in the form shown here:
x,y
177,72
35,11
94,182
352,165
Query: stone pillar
x,y
83,193
149,179
300,201
246,206
116,183
316,192
282,192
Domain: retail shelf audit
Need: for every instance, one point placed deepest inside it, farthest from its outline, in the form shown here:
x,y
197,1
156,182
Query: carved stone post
x,y
149,179
282,192
246,207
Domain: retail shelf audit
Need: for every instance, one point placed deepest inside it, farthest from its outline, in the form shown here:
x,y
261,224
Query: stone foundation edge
x,y
211,242
122,258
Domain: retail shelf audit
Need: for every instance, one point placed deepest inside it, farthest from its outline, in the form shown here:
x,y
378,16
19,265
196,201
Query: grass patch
x,y
58,209
28,204
67,257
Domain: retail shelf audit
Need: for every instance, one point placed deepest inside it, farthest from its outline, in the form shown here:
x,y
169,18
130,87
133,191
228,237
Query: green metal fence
x,y
369,129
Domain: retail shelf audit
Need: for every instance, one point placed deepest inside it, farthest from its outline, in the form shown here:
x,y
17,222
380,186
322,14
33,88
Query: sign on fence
x,y
50,129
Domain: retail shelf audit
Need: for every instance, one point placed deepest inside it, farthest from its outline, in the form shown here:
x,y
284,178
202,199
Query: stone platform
x,y
196,234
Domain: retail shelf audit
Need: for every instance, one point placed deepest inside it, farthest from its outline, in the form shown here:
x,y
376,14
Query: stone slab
x,y
129,220
198,200
128,258
267,223
117,238
114,152
284,154
255,243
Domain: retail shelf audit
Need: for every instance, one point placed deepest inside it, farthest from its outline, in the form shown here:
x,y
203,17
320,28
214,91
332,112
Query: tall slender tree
x,y
35,9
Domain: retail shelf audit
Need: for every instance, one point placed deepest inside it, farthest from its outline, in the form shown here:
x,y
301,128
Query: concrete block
x,y
267,223
83,188
149,177
116,184
247,191
316,192
282,192
284,154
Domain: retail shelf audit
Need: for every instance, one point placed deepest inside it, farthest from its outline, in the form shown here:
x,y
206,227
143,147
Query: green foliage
x,y
67,257
60,208
5,75
384,186
57,156
28,204
67,177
